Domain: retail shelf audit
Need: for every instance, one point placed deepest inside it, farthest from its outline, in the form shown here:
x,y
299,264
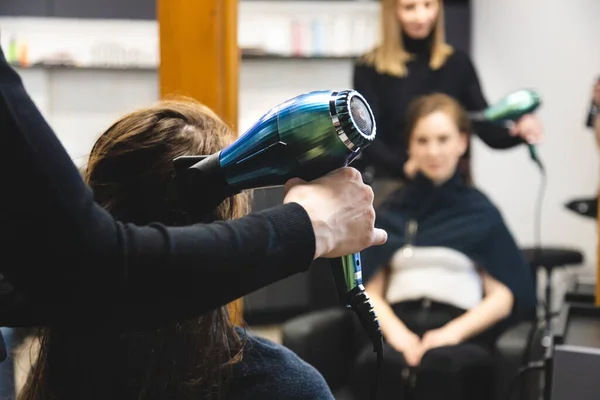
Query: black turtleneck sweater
x,y
389,97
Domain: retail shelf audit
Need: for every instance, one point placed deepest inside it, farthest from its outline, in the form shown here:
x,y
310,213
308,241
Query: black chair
x,y
547,259
329,339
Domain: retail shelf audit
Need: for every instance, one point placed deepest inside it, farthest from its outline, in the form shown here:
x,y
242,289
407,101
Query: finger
x,y
411,360
291,183
348,173
419,356
379,237
534,138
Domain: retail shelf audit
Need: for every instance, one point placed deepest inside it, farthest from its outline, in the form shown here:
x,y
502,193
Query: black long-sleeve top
x,y
389,97
68,257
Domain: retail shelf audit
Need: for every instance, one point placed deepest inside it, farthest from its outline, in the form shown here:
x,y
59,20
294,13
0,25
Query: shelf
x,y
260,56
245,56
51,66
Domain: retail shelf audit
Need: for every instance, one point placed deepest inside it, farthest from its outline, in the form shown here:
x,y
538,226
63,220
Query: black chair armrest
x,y
324,340
512,343
514,348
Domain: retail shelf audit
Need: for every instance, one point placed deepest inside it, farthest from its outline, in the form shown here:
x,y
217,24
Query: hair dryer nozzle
x,y
353,119
200,184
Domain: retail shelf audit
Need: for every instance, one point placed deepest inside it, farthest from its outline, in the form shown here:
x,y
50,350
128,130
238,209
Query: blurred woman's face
x,y
417,17
436,146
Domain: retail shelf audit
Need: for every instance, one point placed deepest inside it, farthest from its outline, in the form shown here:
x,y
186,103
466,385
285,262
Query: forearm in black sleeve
x,y
378,154
495,135
68,247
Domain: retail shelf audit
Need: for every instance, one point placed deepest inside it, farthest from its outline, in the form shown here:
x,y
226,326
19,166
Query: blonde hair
x,y
390,56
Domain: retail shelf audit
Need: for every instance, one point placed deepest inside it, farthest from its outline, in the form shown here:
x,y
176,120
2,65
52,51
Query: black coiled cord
x,y
360,303
541,364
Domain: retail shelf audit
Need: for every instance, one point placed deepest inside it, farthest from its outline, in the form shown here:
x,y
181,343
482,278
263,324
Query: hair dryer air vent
x,y
353,119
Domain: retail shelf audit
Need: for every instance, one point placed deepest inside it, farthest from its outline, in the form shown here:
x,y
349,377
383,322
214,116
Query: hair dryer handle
x,y
347,275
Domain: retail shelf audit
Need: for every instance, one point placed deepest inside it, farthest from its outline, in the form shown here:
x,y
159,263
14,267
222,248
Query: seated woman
x,y
125,355
450,276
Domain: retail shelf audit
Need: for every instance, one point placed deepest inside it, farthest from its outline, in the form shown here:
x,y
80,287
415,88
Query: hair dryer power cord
x,y
540,364
361,304
539,204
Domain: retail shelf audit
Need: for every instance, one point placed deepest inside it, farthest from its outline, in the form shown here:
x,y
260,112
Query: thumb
x,y
379,237
291,183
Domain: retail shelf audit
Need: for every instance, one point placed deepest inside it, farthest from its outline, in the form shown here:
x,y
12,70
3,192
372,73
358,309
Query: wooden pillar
x,y
199,58
598,258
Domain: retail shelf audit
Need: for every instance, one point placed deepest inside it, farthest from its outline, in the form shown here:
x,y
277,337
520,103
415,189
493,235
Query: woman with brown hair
x,y
450,277
413,59
72,251
124,349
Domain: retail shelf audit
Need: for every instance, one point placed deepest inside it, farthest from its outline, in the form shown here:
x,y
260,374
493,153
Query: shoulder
x,y
269,370
460,57
364,65
460,60
480,202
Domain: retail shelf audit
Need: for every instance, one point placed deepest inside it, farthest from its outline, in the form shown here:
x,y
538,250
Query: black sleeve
x,y
65,248
378,153
472,98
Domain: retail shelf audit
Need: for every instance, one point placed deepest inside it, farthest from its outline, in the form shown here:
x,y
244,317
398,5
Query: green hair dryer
x,y
510,109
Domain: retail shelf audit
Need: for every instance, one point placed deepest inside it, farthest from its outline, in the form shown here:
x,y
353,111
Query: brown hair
x,y
130,170
425,105
390,56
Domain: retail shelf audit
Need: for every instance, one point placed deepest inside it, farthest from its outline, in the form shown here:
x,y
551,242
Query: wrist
x,y
396,330
322,232
320,228
456,330
293,225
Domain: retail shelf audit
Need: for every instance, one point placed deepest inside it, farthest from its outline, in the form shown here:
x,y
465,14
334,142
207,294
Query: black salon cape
x,y
459,217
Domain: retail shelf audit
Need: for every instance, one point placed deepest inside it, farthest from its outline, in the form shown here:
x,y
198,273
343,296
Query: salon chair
x,y
329,339
548,259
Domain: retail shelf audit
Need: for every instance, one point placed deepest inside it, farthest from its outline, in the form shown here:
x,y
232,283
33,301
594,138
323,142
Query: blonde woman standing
x,y
413,59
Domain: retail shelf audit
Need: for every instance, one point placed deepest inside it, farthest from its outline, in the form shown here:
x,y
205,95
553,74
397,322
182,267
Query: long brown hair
x,y
390,56
425,105
130,170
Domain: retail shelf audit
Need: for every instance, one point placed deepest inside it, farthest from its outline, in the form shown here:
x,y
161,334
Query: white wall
x,y
550,45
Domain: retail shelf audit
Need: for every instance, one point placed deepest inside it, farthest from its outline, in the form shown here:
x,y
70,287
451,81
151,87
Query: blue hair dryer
x,y
305,137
